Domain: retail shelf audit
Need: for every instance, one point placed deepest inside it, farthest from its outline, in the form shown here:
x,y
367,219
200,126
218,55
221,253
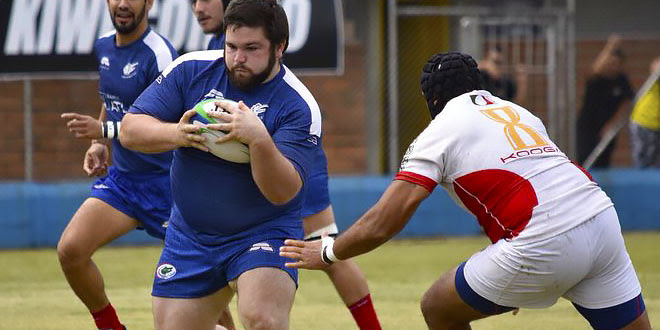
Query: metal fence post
x,y
27,130
392,86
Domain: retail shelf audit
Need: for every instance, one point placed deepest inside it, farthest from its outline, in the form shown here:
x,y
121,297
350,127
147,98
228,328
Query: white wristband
x,y
327,254
111,129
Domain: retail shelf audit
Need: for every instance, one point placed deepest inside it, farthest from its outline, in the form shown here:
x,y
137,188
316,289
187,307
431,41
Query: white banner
x,y
59,35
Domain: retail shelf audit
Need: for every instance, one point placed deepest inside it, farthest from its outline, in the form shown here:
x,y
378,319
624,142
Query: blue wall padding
x,y
34,214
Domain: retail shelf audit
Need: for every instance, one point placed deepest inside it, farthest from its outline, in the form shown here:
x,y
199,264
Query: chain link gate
x,y
536,39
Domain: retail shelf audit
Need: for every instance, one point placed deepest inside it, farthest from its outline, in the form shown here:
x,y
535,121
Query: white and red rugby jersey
x,y
496,160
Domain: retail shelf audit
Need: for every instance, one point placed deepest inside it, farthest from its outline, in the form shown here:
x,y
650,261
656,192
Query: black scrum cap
x,y
447,75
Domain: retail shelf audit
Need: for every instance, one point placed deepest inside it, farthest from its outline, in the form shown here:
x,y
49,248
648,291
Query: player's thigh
x,y
95,224
641,323
190,313
442,304
267,291
320,222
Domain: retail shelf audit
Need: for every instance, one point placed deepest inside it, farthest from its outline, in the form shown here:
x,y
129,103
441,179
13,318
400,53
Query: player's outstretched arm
x,y
147,134
83,126
378,225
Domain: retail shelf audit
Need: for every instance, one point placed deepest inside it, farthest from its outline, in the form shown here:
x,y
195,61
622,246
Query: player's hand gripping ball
x,y
232,150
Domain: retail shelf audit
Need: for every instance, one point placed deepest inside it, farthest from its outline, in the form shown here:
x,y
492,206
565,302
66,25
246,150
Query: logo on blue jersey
x,y
105,63
259,109
214,94
261,246
313,139
116,106
165,271
112,103
129,70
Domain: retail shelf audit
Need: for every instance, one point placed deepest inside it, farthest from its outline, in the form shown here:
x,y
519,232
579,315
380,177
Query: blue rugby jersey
x,y
216,42
317,196
217,199
124,72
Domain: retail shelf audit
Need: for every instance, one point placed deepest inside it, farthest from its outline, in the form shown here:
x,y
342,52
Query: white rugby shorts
x,y
588,265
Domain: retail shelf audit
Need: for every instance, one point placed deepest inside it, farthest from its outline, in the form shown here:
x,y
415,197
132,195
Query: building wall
x,y
595,19
58,156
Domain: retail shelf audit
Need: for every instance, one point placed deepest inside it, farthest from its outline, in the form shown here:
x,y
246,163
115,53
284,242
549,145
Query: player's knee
x,y
258,320
435,312
71,252
432,316
429,305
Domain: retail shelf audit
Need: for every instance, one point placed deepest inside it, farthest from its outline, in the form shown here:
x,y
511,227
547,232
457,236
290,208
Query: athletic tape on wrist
x,y
327,253
110,129
117,127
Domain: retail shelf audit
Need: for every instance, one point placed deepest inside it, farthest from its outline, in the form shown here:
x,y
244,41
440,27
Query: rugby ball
x,y
232,150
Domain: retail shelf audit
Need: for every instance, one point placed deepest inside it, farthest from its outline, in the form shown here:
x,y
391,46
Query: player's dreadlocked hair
x,y
447,75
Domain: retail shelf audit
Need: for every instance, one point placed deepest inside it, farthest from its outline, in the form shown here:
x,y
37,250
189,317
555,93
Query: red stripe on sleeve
x,y
417,179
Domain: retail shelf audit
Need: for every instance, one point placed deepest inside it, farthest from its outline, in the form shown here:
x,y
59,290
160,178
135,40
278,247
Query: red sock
x,y
364,314
107,319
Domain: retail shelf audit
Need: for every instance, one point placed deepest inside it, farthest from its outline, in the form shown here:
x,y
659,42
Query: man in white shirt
x,y
555,233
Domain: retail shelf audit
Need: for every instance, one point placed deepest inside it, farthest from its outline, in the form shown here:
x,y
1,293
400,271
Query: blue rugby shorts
x,y
144,197
191,269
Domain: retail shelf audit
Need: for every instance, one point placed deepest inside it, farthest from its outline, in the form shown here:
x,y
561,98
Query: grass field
x,y
35,295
